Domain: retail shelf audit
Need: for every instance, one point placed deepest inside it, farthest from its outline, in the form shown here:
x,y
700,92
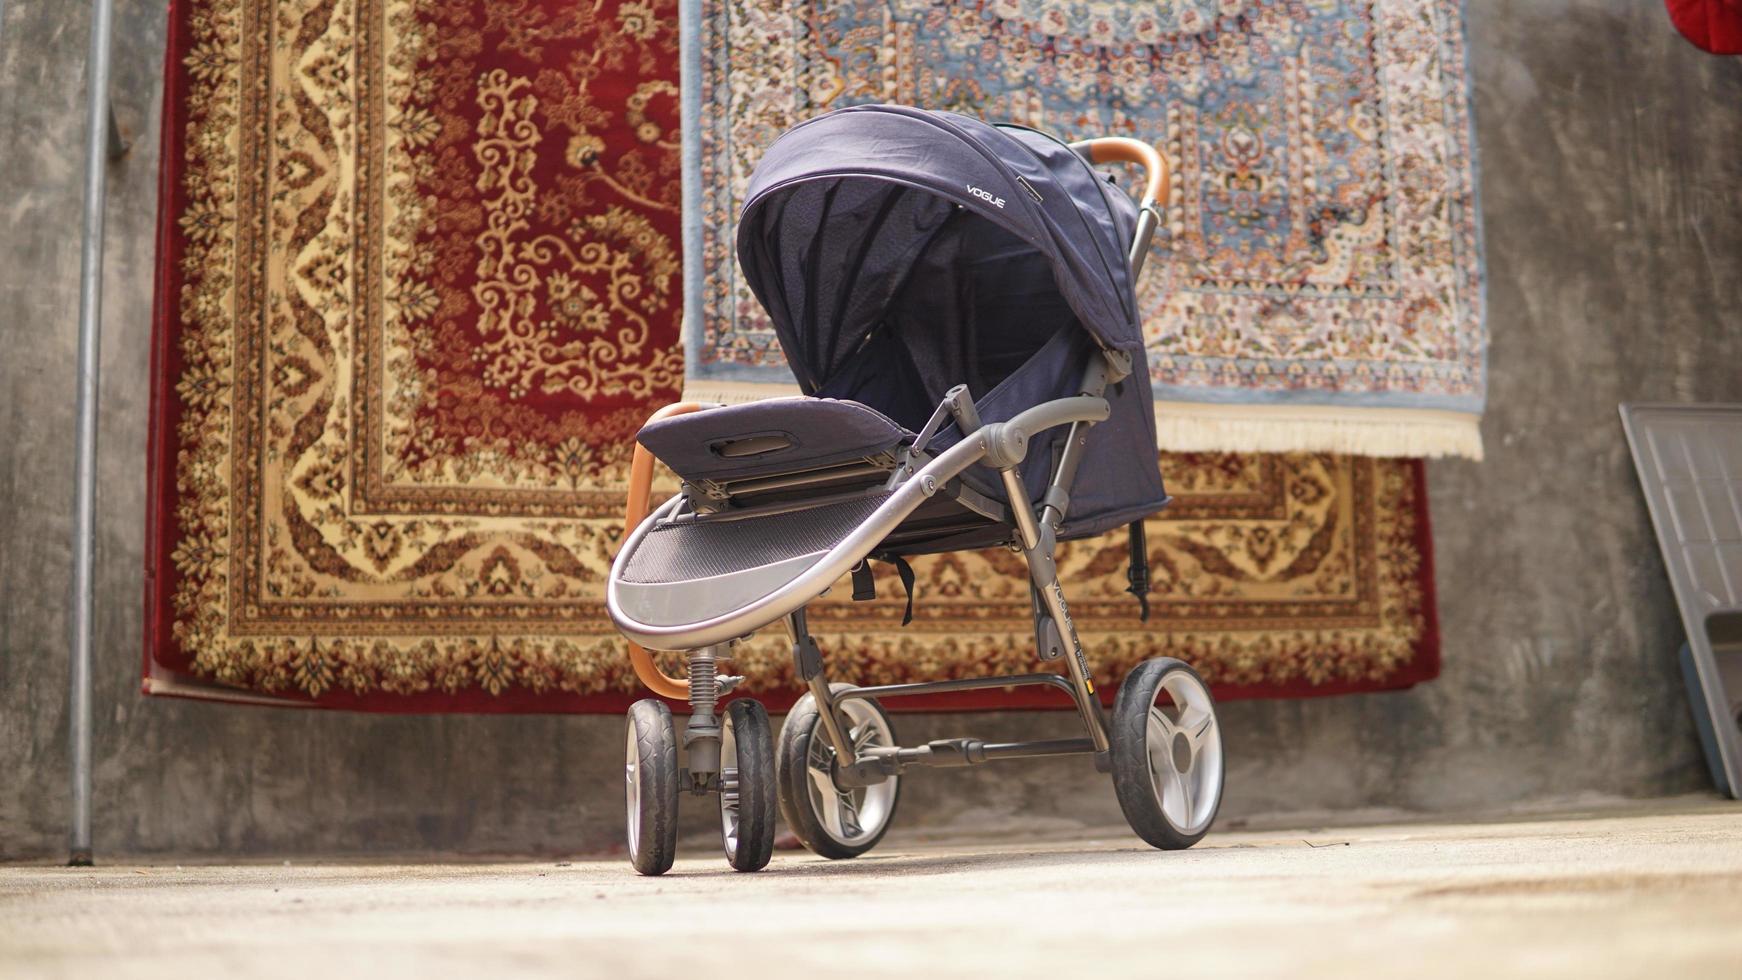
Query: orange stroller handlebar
x,y
1123,149
634,512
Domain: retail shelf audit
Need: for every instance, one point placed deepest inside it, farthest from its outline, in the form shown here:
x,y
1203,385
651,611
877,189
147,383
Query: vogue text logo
x,y
985,196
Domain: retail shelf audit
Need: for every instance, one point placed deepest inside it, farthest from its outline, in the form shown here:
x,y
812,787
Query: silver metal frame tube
x,y
1032,750
85,437
956,686
955,753
1023,516
1059,411
1147,219
689,79
1043,572
833,729
1082,685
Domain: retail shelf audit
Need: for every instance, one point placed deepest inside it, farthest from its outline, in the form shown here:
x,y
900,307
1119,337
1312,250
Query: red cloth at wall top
x,y
1712,25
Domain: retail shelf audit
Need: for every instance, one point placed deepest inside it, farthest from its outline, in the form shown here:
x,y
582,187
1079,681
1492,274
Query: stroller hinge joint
x,y
961,405
1118,366
1006,445
807,658
1049,643
1057,498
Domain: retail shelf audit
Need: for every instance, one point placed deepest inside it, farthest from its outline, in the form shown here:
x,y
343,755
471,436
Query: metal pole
x,y
689,79
85,444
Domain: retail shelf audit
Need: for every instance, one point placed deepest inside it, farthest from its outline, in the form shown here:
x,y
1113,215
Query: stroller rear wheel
x,y
747,790
830,820
650,786
1167,754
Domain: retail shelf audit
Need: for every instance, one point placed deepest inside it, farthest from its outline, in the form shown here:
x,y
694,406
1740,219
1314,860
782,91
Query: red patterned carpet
x,y
419,283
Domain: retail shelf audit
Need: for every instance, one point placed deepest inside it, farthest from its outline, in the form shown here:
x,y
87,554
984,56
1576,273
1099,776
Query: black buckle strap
x,y
1137,572
903,569
865,584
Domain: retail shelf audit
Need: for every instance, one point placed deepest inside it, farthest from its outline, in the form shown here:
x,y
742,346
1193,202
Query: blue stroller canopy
x,y
844,207
901,251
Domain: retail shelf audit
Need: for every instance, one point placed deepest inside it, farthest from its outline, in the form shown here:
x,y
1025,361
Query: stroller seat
x,y
788,478
774,488
729,450
689,571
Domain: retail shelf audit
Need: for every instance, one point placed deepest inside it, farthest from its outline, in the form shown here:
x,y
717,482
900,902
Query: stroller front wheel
x,y
747,786
830,820
650,786
1167,754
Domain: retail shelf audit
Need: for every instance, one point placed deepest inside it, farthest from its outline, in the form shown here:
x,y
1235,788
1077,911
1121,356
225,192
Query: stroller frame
x,y
714,761
1000,445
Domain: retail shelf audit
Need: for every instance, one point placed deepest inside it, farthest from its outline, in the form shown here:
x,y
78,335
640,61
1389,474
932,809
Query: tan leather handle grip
x,y
634,512
1121,149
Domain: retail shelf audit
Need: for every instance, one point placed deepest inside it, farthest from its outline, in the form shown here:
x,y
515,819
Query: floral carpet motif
x,y
1316,280
418,286
421,284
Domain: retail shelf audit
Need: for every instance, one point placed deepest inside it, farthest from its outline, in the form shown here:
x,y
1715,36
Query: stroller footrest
x,y
692,570
772,437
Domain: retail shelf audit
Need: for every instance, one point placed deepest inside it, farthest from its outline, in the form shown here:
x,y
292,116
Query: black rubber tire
x,y
753,744
652,825
796,732
1130,756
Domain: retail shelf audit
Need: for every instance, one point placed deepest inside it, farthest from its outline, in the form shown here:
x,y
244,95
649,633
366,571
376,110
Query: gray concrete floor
x,y
1612,200
1638,892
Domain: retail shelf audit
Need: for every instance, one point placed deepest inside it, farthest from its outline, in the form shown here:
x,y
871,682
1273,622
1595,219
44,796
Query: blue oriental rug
x,y
1316,284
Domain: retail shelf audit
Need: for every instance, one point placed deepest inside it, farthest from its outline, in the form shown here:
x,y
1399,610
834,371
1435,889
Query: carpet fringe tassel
x,y
1198,427
1286,429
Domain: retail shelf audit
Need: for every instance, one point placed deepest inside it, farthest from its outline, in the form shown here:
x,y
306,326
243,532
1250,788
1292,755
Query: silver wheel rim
x,y
849,816
729,796
1184,744
632,790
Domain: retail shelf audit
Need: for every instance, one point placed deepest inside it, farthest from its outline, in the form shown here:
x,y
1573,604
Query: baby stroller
x,y
956,301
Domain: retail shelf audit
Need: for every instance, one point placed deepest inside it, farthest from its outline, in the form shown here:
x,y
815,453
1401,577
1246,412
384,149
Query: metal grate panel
x,y
1689,459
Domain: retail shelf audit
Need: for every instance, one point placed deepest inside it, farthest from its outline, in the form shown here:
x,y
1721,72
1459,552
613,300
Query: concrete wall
x,y
1612,189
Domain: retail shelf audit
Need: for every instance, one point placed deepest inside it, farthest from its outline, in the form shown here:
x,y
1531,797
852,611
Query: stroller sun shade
x,y
901,252
895,294
989,233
